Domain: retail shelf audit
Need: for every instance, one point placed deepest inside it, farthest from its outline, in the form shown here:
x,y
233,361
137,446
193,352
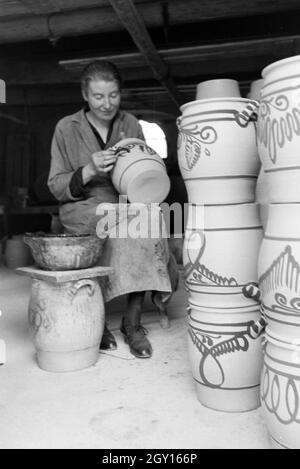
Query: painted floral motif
x,y
275,132
196,143
196,137
124,150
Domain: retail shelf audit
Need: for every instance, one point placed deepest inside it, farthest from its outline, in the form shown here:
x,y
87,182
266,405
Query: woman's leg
x,y
134,333
108,342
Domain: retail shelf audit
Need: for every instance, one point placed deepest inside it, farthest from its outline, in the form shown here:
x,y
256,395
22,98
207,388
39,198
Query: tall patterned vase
x,y
220,254
226,358
278,129
279,281
220,258
217,150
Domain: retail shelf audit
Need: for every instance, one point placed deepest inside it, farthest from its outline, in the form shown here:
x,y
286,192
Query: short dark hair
x,y
100,70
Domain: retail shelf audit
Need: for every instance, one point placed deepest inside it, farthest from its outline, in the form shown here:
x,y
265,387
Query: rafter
x,y
40,6
134,24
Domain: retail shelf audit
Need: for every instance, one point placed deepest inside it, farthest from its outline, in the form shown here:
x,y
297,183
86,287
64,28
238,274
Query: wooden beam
x,y
41,6
184,60
132,21
265,46
82,17
187,64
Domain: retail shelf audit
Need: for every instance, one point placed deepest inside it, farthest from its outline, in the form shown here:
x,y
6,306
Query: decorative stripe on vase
x,y
280,389
212,347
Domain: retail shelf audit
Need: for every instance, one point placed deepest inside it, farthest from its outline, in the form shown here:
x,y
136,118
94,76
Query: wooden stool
x,y
66,316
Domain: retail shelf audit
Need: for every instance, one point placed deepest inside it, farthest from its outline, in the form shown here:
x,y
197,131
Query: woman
x,y
81,161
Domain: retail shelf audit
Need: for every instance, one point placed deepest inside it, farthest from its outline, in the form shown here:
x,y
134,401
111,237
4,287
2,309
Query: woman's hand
x,y
101,161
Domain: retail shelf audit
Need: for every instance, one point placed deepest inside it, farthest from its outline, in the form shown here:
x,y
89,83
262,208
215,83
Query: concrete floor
x,y
121,402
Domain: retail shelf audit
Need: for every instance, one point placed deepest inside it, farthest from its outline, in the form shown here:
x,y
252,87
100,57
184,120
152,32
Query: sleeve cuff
x,y
76,186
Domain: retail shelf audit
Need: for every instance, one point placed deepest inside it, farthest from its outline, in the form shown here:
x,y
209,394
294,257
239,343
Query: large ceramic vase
x,y
280,390
279,281
218,88
139,172
66,322
278,129
217,150
226,359
220,255
255,89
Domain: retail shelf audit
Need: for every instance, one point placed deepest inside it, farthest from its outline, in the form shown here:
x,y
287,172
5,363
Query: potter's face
x,y
103,98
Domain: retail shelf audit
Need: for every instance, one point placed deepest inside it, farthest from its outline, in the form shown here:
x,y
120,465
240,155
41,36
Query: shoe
x,y
108,342
135,337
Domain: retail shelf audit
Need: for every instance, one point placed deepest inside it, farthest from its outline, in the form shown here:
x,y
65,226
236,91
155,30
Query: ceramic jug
x,y
139,172
66,322
279,270
218,88
217,153
280,390
278,129
255,89
226,357
279,282
220,253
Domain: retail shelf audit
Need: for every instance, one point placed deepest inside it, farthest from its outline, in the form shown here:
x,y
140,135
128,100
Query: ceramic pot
x,y
16,253
217,152
219,88
65,252
279,270
226,357
280,390
66,322
278,129
220,254
139,172
255,89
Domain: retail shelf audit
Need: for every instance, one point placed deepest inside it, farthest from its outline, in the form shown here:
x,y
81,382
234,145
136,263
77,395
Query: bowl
x,y
64,252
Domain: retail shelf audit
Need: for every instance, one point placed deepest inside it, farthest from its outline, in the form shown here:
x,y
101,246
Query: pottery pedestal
x,y
66,316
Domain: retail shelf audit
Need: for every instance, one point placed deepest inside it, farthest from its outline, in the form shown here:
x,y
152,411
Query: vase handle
x,y
83,283
178,123
251,290
258,327
248,114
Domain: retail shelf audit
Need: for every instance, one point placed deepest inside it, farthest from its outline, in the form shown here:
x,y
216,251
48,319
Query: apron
x,y
136,247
